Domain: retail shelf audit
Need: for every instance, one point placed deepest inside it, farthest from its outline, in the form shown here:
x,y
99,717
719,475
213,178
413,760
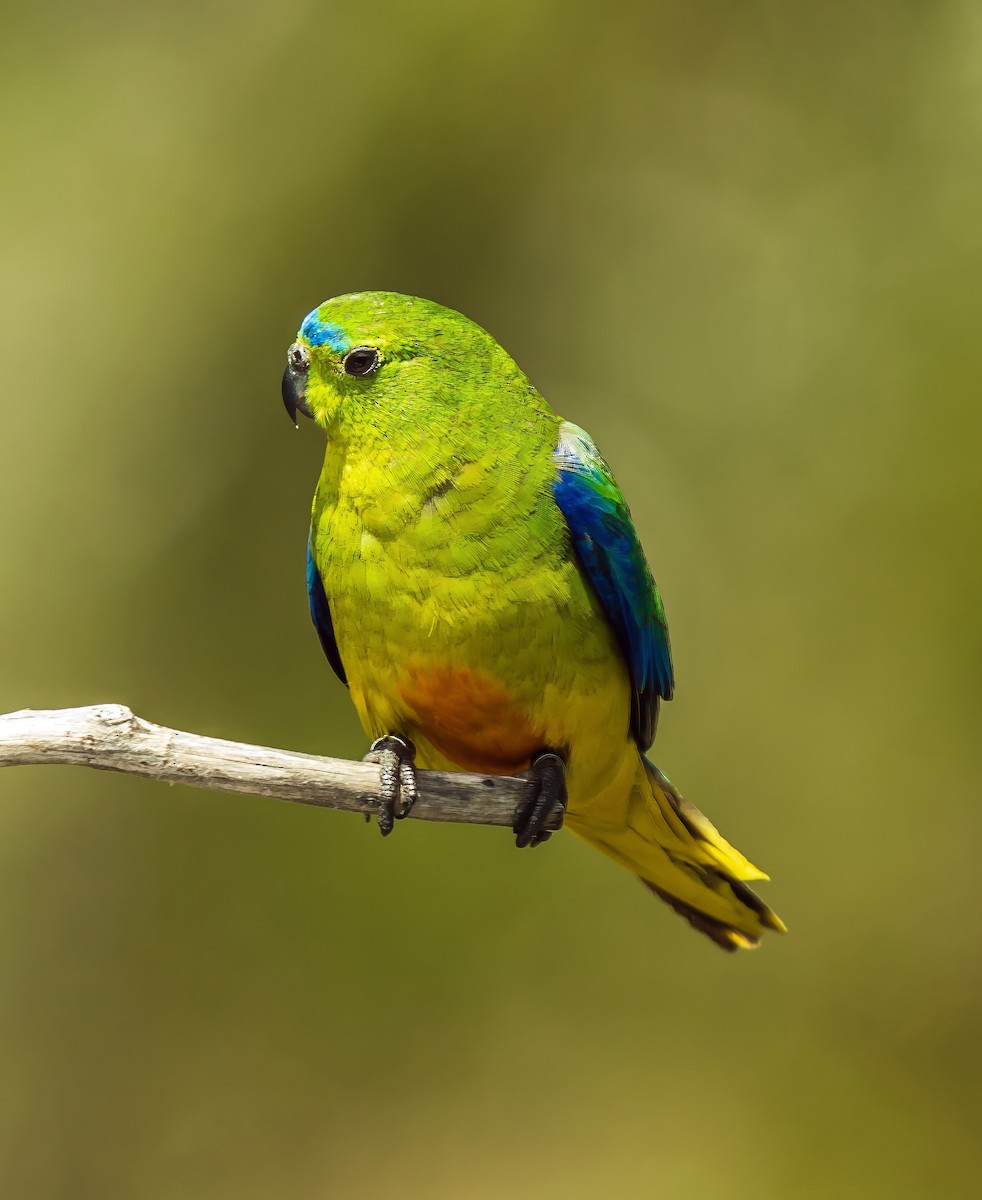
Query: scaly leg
x,y
397,779
545,793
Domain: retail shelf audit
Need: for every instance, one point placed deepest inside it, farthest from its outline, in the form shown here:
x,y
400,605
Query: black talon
x,y
397,779
545,793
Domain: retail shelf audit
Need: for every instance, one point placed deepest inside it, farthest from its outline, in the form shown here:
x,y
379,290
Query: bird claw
x,y
545,793
398,788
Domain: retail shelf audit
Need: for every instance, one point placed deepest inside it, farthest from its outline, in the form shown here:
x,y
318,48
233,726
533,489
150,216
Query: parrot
x,y
476,580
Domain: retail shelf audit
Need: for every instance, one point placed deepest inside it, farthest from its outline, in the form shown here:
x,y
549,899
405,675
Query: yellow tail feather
x,y
682,858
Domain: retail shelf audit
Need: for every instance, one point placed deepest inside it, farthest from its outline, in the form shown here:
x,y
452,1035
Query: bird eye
x,y
363,360
299,358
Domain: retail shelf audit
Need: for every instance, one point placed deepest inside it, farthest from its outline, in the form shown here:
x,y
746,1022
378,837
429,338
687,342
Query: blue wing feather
x,y
610,555
321,613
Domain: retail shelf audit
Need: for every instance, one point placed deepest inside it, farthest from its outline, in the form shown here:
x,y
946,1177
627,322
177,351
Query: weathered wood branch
x,y
109,737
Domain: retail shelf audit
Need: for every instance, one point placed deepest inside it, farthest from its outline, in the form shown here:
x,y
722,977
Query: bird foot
x,y
545,793
397,779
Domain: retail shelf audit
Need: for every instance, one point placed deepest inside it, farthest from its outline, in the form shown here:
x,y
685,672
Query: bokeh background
x,y
741,244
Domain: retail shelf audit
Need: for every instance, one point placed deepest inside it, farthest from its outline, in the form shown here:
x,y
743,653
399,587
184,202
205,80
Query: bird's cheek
x,y
323,403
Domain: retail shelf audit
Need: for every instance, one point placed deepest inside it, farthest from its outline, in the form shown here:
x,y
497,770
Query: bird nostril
x,y
298,358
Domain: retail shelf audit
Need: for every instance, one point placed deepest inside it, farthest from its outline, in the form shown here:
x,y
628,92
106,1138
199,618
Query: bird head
x,y
387,351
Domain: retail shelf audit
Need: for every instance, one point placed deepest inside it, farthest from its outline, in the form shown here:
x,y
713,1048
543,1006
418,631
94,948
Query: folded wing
x,y
611,559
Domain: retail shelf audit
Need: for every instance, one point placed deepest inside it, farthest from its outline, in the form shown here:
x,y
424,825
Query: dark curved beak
x,y
294,385
293,390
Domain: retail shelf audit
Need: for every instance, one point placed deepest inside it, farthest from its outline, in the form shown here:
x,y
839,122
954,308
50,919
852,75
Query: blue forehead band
x,y
319,333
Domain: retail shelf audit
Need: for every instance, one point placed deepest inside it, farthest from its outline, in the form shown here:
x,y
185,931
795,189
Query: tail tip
x,y
727,937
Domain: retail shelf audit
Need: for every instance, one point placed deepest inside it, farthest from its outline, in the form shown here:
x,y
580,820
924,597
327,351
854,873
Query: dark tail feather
x,y
722,934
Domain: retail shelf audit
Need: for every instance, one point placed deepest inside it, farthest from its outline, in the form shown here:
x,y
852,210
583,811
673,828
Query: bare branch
x,y
109,737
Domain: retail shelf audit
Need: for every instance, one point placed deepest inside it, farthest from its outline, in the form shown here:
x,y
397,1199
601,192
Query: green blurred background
x,y
741,244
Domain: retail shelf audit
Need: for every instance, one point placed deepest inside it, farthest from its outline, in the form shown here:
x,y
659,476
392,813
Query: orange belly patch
x,y
470,719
